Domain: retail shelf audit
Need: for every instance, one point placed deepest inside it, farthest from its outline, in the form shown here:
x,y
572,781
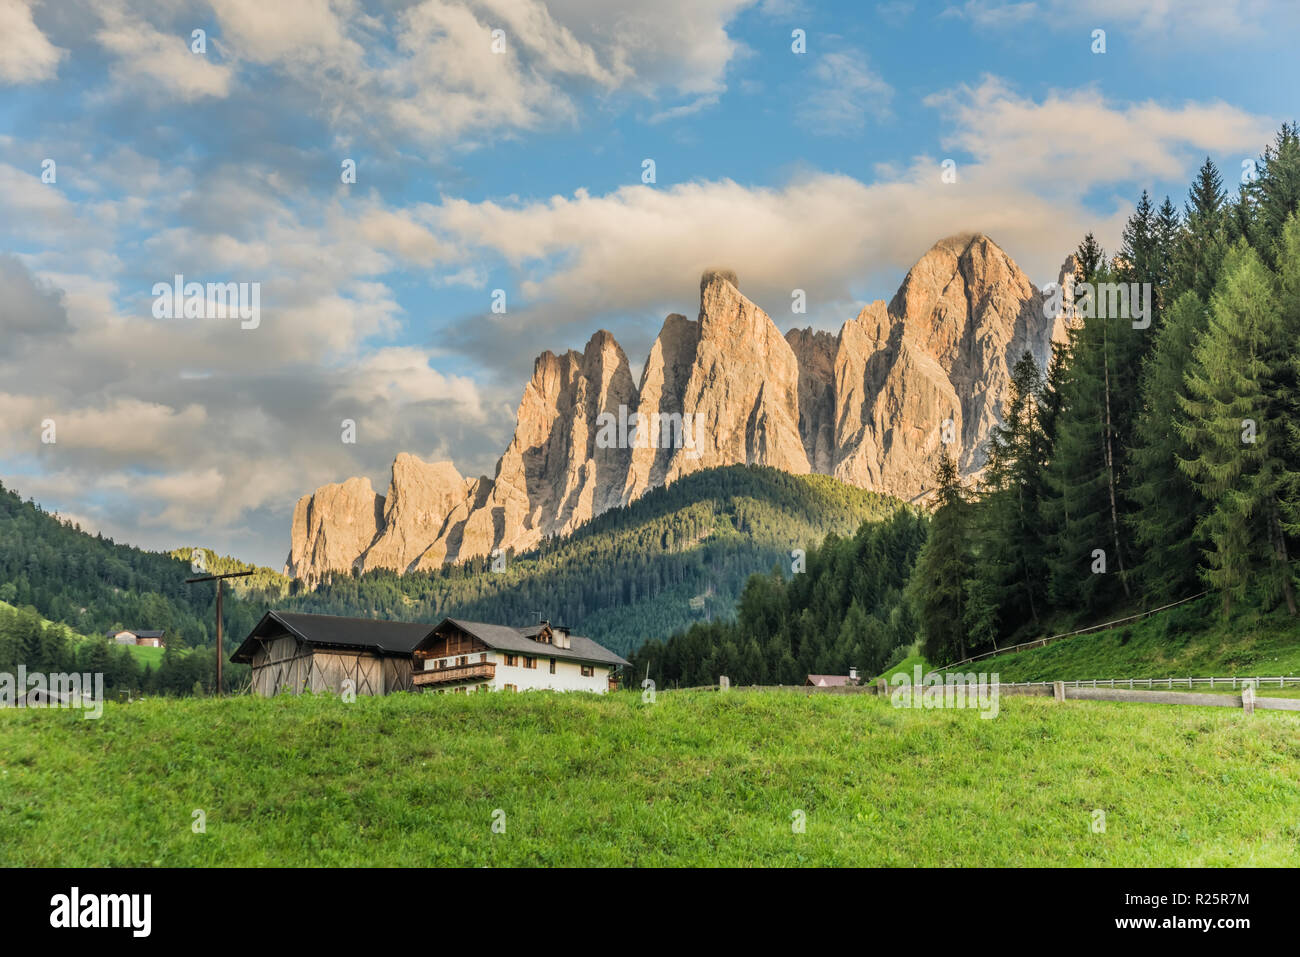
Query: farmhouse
x,y
292,652
472,656
137,636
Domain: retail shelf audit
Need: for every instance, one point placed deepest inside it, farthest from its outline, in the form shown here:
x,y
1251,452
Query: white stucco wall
x,y
568,674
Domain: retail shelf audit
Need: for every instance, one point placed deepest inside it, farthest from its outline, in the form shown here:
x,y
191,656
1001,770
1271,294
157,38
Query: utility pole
x,y
218,579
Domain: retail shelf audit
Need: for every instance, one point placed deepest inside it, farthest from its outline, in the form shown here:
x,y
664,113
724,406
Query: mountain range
x,y
874,406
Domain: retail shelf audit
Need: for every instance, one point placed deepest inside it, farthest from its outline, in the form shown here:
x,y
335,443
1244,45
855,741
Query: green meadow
x,y
694,778
1193,640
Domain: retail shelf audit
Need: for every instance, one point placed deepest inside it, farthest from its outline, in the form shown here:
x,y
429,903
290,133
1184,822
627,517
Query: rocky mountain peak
x,y
875,405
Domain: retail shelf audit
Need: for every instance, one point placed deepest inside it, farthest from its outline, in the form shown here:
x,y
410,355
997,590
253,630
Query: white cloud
x,y
629,254
146,57
26,54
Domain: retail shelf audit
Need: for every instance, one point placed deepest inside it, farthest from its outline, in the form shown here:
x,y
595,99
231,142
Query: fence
x,y
1233,682
1040,642
1145,690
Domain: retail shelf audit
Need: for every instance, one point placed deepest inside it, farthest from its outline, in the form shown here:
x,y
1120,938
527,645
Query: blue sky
x,y
521,170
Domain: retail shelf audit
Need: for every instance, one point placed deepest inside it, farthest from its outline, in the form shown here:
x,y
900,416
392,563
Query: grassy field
x,y
696,778
1191,640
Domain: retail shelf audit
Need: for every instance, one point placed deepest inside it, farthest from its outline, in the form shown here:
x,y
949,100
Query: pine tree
x,y
1237,431
1010,558
1276,192
1096,405
1166,503
1201,245
937,586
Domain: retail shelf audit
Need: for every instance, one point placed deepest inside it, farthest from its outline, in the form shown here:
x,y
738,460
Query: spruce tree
x,y
1096,406
1237,432
937,586
1011,555
1201,245
1276,191
1166,503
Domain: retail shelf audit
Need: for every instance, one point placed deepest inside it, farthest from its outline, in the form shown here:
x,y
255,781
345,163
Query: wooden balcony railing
x,y
484,670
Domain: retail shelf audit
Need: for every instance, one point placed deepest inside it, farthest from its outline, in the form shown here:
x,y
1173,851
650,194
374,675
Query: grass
x,y
695,778
1191,640
907,667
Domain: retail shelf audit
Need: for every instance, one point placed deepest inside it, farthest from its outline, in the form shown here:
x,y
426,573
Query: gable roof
x,y
829,681
332,631
138,632
506,638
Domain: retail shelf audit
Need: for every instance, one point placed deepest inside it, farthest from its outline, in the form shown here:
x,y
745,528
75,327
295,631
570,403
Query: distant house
x,y
468,656
291,653
147,639
833,681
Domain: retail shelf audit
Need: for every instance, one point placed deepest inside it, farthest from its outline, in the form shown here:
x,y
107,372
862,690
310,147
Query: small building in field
x,y
833,681
466,656
138,636
292,652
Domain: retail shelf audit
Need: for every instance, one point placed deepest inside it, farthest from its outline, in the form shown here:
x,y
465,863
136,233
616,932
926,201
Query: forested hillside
x,y
677,555
92,583
1146,464
845,609
631,573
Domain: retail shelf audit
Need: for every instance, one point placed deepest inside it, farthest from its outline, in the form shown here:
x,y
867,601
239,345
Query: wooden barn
x,y
291,653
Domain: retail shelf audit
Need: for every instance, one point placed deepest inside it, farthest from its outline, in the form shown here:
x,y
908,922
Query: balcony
x,y
479,671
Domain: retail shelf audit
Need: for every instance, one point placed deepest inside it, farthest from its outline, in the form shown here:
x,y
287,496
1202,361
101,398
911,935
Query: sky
x,y
502,152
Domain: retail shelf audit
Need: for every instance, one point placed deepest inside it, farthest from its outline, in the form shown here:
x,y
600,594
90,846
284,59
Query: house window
x,y
512,660
462,661
530,662
552,666
483,658
588,671
512,687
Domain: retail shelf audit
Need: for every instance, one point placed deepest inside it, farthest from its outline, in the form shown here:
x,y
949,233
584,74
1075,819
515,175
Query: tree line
x,y
1145,464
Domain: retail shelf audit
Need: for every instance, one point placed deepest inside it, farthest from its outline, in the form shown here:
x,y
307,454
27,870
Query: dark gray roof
x,y
400,638
364,634
506,638
138,632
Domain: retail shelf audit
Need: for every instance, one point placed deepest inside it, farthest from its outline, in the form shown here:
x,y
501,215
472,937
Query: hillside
x,y
696,778
141,653
1191,640
92,583
631,573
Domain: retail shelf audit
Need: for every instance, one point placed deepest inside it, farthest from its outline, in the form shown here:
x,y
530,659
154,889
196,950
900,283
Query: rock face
x,y
332,527
420,497
875,406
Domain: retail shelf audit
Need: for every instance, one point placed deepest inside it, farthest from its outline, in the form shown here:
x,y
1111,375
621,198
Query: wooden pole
x,y
219,583
218,579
